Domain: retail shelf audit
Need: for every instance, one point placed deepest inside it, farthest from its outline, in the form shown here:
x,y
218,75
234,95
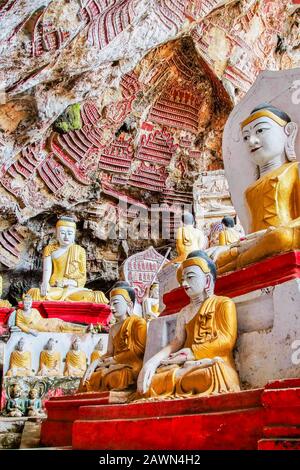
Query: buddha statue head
x,y
27,302
197,274
75,344
49,346
154,291
99,345
122,298
16,391
188,218
65,231
228,222
20,345
269,135
33,393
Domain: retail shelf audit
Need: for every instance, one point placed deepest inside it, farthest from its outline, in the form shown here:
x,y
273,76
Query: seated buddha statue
x,y
20,361
3,303
76,360
228,234
198,360
188,238
50,361
64,269
273,199
151,302
98,351
29,320
16,403
118,369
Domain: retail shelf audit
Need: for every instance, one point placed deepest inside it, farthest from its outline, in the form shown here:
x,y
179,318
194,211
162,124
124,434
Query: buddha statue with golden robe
x,y
118,369
29,320
20,361
50,361
151,303
228,234
198,360
64,269
188,238
273,199
76,360
98,351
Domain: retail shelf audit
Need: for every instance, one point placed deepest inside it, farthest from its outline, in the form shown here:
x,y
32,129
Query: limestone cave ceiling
x,y
107,99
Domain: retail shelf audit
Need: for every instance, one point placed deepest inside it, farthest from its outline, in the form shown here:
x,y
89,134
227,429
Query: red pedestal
x,y
269,272
81,312
264,418
62,412
4,314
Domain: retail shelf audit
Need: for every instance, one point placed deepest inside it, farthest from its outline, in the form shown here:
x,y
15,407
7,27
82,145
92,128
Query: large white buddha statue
x,y
273,199
64,269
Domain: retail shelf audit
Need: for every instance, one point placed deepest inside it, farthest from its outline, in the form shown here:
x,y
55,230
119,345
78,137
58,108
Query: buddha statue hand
x,y
146,375
45,286
91,369
179,357
66,283
214,251
107,361
203,363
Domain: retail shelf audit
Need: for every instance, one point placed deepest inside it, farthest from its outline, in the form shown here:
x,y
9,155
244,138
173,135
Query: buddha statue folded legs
x,y
64,269
118,369
274,199
199,360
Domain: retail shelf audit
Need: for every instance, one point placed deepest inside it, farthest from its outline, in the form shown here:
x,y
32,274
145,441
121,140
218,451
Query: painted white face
x,y
75,345
119,306
65,235
194,281
27,304
265,140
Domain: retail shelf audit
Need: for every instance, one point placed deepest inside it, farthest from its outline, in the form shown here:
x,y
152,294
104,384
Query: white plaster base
x,y
268,328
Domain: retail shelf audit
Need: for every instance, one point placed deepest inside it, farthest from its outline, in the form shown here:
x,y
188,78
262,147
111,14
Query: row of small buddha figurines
x,y
50,360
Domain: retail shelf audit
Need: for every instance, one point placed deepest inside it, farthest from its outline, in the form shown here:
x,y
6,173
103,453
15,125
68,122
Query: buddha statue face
x,y
20,345
27,302
154,291
50,344
265,139
17,391
119,306
65,235
75,344
33,393
195,281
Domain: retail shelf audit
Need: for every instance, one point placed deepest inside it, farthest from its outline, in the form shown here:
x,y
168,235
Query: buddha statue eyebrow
x,y
263,122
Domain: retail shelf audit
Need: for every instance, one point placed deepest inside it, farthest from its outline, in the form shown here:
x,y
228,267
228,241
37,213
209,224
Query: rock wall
x,y
111,106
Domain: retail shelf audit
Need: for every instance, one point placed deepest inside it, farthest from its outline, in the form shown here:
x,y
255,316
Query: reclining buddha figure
x,y
274,198
118,369
64,269
198,360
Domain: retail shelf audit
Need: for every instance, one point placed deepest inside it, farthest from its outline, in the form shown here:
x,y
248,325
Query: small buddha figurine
x,y
16,404
118,369
20,361
228,234
29,320
3,303
198,360
274,199
34,404
76,361
151,302
188,238
64,269
98,351
50,361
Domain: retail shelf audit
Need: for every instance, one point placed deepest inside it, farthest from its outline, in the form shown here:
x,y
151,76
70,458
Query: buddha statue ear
x,y
209,288
291,130
129,308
